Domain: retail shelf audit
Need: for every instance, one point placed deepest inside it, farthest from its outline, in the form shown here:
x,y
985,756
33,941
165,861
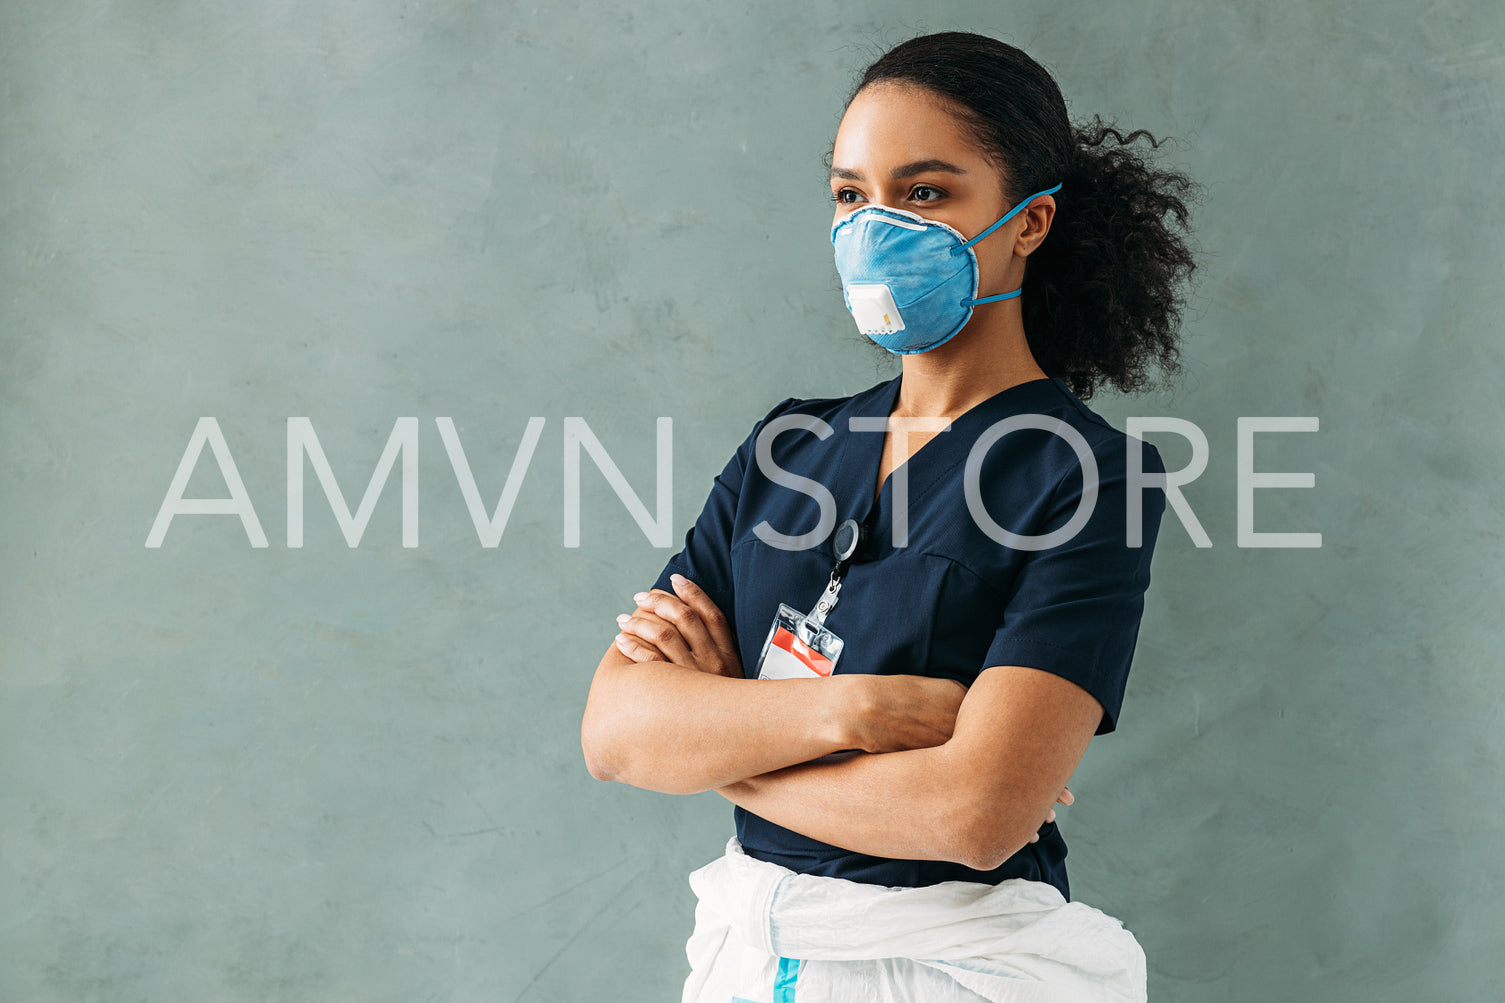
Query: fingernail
x,y
679,580
621,640
640,597
623,618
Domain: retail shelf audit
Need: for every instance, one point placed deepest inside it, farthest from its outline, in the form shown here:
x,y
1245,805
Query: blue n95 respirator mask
x,y
910,282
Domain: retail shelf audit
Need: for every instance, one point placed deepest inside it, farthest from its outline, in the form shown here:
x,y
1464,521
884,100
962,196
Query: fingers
x,y
647,628
637,649
634,647
1065,797
686,629
685,620
710,614
1048,819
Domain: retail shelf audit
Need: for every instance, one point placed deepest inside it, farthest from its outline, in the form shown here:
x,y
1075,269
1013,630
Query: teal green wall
x,y
244,774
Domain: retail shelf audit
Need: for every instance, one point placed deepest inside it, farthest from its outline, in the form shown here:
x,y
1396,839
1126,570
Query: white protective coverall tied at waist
x,y
765,934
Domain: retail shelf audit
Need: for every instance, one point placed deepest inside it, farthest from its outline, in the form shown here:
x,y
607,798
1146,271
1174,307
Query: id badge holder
x,y
800,645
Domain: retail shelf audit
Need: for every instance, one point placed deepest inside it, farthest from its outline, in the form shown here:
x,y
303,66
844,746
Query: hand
x,y
895,713
1066,798
685,629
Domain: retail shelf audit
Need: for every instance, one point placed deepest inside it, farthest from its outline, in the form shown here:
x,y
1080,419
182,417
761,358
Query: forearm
x,y
673,729
911,805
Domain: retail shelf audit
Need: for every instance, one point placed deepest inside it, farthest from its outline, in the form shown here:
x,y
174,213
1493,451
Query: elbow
x,y
622,744
988,857
609,755
606,760
597,768
987,851
595,743
983,839
604,738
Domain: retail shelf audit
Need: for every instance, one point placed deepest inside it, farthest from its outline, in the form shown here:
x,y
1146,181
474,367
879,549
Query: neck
x,y
986,357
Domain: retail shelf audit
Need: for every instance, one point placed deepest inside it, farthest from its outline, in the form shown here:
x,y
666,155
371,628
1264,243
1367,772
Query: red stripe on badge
x,y
813,660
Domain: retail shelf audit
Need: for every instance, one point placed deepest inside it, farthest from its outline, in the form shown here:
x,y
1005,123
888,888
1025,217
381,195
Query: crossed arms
x,y
951,773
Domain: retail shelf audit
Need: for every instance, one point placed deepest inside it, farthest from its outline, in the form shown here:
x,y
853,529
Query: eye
x,y
926,193
846,196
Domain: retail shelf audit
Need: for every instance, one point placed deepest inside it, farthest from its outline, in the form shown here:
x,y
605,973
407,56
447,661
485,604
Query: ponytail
x,y
1103,293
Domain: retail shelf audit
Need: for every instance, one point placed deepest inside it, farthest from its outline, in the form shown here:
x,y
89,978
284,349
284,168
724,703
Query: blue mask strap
x,y
1007,216
1010,215
993,299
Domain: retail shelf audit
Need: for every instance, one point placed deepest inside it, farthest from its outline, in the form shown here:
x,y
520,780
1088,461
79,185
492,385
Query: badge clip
x,y
800,645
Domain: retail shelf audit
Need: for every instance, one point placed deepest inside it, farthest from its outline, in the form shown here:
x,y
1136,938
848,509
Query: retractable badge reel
x,y
800,645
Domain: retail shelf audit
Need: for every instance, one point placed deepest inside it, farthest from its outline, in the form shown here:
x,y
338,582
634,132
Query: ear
x,y
1037,219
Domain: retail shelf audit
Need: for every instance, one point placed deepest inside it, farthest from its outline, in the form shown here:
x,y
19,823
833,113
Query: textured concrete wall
x,y
324,773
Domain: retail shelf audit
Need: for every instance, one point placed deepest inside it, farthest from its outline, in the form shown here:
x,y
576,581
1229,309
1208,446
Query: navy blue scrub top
x,y
953,601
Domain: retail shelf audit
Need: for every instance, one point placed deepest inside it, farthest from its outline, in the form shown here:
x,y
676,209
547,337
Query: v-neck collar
x,y
862,452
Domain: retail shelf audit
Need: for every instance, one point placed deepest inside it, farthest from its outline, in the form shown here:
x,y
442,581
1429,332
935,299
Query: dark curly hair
x,y
1103,293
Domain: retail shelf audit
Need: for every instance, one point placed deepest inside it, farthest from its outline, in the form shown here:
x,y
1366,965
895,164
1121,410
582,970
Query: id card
x,y
797,647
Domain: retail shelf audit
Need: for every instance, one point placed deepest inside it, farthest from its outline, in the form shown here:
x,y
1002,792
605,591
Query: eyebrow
x,y
906,171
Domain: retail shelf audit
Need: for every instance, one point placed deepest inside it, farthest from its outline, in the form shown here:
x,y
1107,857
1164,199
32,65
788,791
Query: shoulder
x,y
1108,442
1061,436
827,408
1047,460
815,413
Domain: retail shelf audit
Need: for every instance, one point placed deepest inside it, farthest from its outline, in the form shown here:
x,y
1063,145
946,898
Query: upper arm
x,y
1019,735
1074,609
1056,668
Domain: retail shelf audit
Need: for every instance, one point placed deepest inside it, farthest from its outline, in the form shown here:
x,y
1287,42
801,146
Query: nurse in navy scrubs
x,y
1015,263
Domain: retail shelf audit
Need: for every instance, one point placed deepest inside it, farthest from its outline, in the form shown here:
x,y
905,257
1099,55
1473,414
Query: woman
x,y
971,623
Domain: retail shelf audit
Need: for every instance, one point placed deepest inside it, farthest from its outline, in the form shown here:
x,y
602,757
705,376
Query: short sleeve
x,y
1074,609
705,558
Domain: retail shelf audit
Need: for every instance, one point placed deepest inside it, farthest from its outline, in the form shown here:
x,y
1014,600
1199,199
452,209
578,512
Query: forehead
x,y
889,123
